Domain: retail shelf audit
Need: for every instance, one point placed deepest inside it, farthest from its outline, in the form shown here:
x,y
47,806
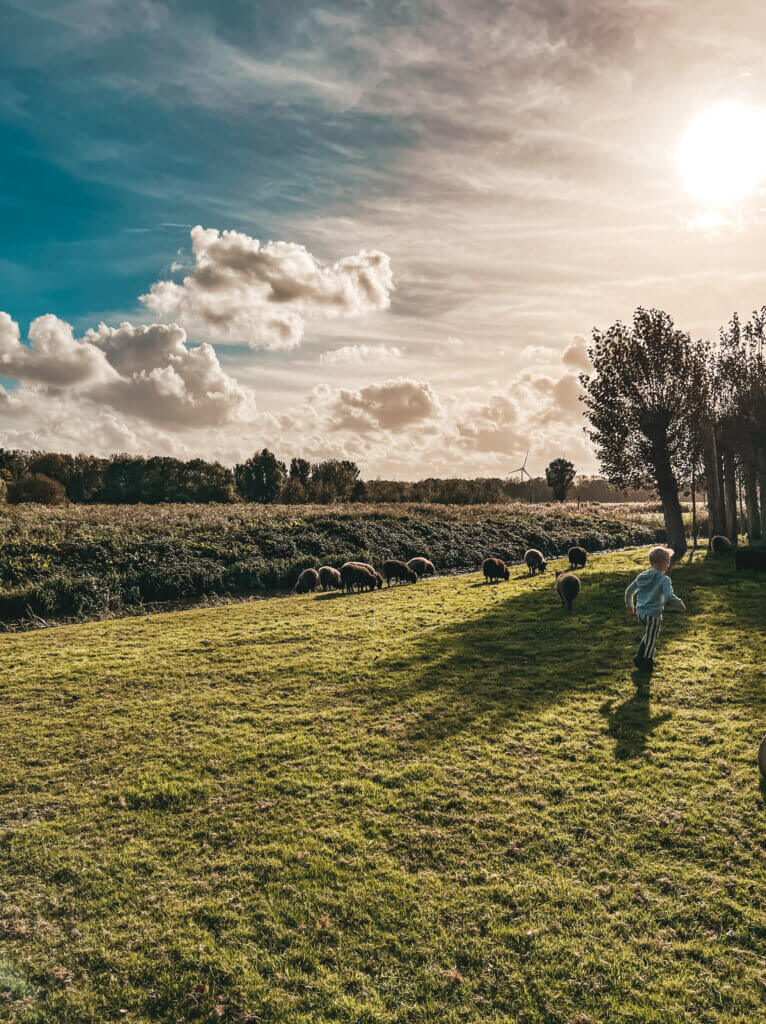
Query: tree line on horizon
x,y
53,478
672,413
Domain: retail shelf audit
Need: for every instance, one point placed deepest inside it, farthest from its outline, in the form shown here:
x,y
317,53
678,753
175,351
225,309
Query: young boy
x,y
647,596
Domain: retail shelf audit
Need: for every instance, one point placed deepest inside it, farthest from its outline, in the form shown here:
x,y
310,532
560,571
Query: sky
x,y
380,230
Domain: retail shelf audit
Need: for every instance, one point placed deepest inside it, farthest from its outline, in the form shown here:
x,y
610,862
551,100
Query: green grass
x,y
443,803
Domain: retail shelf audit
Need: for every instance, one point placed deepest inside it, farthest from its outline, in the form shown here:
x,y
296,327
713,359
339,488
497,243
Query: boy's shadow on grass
x,y
631,723
520,653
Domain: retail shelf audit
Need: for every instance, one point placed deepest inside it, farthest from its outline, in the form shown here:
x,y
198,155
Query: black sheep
x,y
751,558
578,557
495,569
394,570
354,574
720,545
329,578
308,581
421,566
567,587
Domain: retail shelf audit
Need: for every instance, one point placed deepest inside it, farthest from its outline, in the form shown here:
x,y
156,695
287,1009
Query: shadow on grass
x,y
631,724
524,652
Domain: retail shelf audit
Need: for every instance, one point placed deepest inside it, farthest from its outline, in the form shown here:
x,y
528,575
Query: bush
x,y
37,488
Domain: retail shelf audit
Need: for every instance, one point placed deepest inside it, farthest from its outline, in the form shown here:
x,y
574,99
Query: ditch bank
x,y
91,562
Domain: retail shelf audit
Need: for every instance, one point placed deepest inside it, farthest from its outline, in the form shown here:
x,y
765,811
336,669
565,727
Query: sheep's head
x,y
506,573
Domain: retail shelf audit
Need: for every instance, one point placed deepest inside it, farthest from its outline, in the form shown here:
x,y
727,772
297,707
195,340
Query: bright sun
x,y
722,154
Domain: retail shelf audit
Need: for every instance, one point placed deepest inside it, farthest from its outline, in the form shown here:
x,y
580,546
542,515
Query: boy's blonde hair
x,y
660,556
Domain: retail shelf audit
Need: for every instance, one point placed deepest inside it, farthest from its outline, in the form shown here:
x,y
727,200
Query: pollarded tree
x,y
641,401
559,476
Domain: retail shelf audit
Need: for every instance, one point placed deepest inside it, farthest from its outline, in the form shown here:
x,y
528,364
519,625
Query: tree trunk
x,y
715,506
667,488
762,485
694,505
751,500
730,497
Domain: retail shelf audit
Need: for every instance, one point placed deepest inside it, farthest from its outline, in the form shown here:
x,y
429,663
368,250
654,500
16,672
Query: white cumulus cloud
x,y
149,373
264,293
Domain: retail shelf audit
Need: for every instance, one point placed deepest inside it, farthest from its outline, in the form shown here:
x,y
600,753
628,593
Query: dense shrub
x,y
38,488
90,561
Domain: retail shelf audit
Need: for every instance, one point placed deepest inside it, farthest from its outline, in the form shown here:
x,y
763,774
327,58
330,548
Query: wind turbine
x,y
522,470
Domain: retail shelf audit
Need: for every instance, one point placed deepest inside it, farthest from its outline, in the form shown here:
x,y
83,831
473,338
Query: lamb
x,y
354,574
762,757
329,578
308,581
421,566
393,570
577,558
535,561
751,558
720,545
567,587
494,569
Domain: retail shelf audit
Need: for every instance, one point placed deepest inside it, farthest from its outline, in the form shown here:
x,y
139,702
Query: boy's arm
x,y
630,594
671,598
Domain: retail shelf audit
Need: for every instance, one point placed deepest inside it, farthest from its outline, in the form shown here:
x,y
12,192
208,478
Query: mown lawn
x,y
441,803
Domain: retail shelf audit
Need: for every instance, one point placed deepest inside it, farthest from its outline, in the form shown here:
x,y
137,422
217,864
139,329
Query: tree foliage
x,y
642,402
559,476
260,478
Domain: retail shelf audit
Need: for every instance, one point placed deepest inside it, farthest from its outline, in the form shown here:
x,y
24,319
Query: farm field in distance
x,y
443,802
88,561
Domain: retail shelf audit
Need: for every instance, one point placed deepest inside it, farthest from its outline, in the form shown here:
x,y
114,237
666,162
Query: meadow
x,y
88,561
444,802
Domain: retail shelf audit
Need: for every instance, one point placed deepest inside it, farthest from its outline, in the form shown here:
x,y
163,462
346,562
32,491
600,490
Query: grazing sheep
x,y
371,569
354,574
308,581
421,566
393,570
329,578
720,545
535,561
567,587
494,569
762,757
751,558
578,557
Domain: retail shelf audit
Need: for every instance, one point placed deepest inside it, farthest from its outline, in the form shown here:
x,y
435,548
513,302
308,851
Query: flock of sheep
x,y
361,576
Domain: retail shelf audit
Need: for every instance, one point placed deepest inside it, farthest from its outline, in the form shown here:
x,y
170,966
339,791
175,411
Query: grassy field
x,y
90,561
446,802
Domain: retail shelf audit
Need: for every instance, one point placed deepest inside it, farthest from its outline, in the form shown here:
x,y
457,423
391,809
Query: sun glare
x,y
722,154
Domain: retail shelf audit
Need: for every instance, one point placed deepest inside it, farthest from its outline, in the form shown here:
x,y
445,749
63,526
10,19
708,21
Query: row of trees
x,y
51,478
673,413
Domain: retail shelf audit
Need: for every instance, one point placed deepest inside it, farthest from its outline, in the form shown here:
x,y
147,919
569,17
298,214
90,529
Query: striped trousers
x,y
652,625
